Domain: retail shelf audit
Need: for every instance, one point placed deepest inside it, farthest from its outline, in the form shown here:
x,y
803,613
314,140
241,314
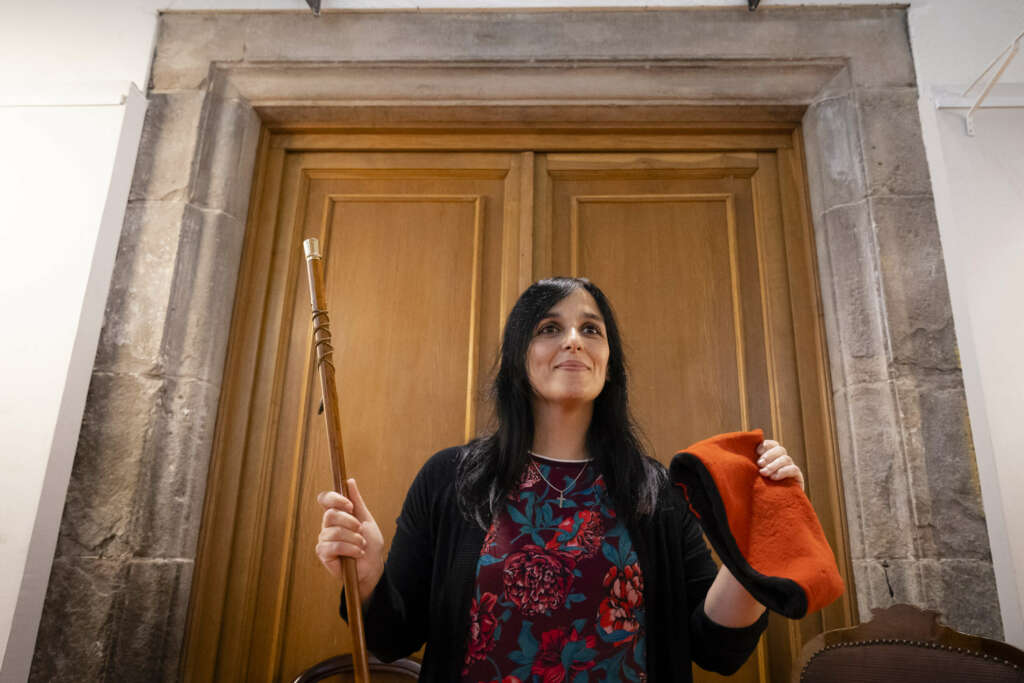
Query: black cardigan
x,y
425,592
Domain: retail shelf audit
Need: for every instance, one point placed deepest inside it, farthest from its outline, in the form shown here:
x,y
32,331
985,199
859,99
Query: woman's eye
x,y
552,328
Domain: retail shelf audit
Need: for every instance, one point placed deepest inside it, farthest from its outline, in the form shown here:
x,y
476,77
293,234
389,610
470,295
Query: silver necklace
x,y
561,492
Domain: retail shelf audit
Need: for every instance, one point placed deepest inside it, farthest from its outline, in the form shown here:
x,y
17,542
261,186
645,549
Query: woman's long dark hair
x,y
491,466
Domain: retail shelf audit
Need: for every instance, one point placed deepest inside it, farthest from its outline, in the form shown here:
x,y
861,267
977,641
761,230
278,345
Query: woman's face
x,y
568,356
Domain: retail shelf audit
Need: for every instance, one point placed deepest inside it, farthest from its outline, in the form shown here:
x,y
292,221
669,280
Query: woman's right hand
x,y
349,530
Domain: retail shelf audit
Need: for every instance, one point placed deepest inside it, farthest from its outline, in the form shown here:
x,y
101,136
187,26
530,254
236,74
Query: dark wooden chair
x,y
906,645
399,671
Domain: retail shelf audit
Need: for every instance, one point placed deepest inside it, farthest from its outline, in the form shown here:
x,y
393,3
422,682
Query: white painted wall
x,y
63,187
982,226
979,195
67,163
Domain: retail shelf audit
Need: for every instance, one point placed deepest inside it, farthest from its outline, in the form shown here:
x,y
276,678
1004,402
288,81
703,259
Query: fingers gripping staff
x,y
324,352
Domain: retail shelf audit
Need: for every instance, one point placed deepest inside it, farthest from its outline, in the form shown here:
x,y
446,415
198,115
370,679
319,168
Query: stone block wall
x,y
913,498
118,594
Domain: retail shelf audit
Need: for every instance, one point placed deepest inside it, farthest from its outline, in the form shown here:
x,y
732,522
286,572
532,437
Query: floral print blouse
x,y
559,593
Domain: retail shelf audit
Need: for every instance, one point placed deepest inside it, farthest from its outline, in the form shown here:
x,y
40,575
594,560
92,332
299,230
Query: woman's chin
x,y
575,396
569,393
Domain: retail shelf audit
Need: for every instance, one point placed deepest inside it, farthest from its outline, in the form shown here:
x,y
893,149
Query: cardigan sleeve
x,y
396,617
713,647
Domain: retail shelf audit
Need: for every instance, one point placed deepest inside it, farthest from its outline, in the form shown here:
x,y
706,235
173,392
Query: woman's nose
x,y
573,338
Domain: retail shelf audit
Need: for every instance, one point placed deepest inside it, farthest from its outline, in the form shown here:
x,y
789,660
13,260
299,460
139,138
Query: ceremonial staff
x,y
324,362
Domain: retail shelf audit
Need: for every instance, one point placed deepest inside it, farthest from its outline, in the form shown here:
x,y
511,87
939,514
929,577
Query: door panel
x,y
676,255
413,258
687,247
415,266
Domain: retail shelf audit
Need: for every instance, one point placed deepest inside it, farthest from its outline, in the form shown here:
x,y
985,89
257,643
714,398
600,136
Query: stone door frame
x,y
122,573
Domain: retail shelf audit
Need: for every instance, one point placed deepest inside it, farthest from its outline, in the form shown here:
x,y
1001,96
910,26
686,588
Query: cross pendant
x,y
561,500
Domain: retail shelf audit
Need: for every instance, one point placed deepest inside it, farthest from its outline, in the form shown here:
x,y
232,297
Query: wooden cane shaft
x,y
332,418
324,351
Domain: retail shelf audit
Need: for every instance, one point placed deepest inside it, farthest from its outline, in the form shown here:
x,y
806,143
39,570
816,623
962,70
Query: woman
x,y
554,548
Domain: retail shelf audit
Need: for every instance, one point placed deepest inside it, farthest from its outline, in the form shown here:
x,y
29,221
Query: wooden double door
x,y
706,257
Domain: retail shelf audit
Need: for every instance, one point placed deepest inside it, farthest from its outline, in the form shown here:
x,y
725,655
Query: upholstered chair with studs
x,y
907,645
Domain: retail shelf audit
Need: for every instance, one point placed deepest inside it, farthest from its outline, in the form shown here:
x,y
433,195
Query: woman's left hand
x,y
776,464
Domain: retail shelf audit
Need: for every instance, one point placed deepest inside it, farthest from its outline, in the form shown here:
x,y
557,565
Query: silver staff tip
x,y
311,247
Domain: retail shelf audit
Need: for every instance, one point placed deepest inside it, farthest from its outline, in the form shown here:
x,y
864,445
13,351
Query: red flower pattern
x,y
536,580
482,623
529,477
489,539
625,594
548,665
587,539
528,573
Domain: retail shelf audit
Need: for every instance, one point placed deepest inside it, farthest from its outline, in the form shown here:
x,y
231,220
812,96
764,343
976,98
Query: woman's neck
x,y
560,431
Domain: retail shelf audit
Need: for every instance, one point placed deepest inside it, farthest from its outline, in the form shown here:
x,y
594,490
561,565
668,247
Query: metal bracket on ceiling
x,y
1007,56
752,4
315,6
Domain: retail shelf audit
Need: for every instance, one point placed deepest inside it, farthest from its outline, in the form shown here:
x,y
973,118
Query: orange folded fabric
x,y
765,531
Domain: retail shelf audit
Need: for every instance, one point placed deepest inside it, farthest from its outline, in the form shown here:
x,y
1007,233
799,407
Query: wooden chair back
x,y
906,645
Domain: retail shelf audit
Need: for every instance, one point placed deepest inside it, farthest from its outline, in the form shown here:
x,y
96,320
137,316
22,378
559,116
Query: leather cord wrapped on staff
x,y
332,418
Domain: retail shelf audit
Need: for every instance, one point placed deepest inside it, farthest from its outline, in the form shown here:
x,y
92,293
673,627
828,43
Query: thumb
x,y
359,509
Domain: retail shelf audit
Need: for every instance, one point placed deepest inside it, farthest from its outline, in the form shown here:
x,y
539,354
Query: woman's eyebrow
x,y
587,315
